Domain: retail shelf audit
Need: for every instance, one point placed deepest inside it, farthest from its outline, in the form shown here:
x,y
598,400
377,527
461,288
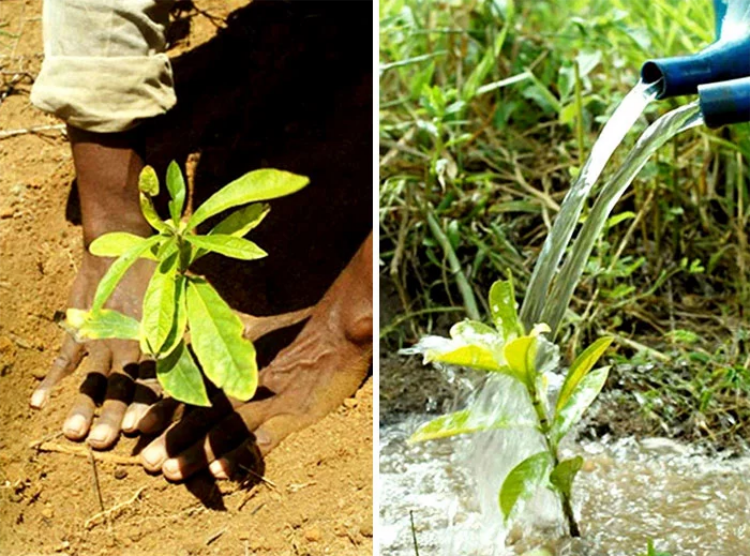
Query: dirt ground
x,y
319,496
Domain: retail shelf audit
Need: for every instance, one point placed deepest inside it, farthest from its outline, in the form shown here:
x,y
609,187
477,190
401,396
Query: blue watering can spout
x,y
728,58
724,103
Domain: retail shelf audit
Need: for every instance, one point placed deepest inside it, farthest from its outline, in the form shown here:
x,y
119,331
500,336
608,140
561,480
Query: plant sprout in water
x,y
511,350
177,303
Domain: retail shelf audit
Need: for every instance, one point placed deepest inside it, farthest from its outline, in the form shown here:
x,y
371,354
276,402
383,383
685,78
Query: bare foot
x,y
107,170
325,364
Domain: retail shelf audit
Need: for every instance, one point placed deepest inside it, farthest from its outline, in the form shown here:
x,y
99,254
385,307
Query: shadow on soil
x,y
289,86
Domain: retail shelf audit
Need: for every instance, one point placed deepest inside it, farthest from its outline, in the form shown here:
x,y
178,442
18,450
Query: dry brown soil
x,y
321,498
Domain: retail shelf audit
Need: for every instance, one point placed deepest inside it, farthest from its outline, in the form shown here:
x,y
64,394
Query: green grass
x,y
486,114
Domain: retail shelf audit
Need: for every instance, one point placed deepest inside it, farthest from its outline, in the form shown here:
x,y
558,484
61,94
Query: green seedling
x,y
177,303
510,350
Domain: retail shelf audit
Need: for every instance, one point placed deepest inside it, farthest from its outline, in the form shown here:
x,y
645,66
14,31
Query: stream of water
x,y
658,133
613,133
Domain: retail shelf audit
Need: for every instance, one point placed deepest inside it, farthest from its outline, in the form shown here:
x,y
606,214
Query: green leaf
x,y
464,422
520,356
258,185
580,367
564,473
150,214
581,398
503,307
148,182
241,221
476,357
118,269
179,321
159,305
115,244
523,481
181,378
216,334
230,246
104,325
176,187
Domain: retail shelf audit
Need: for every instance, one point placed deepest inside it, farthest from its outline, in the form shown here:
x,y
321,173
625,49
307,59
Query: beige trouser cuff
x,y
105,94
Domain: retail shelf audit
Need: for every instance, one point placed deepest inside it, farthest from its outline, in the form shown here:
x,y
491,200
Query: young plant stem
x,y
567,507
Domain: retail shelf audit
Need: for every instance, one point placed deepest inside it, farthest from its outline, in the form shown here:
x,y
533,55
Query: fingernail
x,y
75,426
171,468
38,398
217,469
99,434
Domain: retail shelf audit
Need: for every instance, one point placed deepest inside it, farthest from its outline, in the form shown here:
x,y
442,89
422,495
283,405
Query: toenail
x,y
38,398
152,456
99,434
262,437
76,425
128,423
172,468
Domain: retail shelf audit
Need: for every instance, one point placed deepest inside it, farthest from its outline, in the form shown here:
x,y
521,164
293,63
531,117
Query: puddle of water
x,y
690,504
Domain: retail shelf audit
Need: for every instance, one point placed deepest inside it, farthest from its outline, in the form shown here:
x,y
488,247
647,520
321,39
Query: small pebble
x,y
313,534
120,473
351,403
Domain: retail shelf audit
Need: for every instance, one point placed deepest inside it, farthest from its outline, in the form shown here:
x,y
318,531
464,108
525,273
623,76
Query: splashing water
x,y
658,133
613,133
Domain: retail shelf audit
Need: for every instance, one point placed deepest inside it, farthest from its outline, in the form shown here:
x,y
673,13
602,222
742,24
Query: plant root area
x,y
317,494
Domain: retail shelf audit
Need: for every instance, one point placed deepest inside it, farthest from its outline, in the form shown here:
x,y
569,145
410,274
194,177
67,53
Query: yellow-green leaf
x,y
148,182
179,321
241,221
159,305
464,422
227,358
503,308
258,185
176,188
107,324
150,214
523,481
564,473
115,244
520,356
181,378
117,270
476,357
229,246
577,403
580,367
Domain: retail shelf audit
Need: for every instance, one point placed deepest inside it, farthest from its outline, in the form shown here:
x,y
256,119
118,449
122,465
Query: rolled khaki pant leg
x,y
104,67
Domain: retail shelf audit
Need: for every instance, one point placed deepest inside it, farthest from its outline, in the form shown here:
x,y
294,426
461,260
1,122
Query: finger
x,y
256,327
65,363
147,393
158,416
244,460
120,388
276,429
183,433
226,436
